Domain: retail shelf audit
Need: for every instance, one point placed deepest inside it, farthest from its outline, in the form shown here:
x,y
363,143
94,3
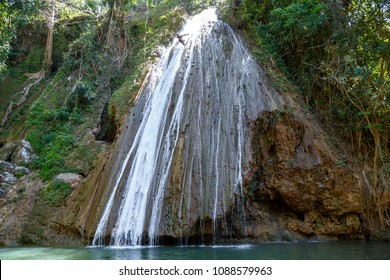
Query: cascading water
x,y
184,149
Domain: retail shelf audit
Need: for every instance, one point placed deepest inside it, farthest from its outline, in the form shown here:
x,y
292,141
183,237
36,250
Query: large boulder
x,y
23,153
73,180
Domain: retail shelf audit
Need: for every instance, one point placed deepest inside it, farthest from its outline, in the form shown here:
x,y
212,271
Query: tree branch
x,y
65,2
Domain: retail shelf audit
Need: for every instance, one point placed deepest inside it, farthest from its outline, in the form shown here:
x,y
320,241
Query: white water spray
x,y
188,156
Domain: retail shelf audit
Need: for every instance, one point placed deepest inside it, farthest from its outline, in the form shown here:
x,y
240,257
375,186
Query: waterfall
x,y
182,157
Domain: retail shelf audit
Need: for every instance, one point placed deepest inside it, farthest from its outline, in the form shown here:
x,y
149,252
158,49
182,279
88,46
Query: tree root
x,y
25,92
27,89
5,118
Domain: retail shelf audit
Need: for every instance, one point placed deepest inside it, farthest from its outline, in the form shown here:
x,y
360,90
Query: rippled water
x,y
269,251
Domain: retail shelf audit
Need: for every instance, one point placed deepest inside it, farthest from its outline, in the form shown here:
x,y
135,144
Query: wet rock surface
x,y
244,162
180,158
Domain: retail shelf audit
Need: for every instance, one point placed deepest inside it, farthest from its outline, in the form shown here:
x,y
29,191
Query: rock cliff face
x,y
297,178
182,153
209,152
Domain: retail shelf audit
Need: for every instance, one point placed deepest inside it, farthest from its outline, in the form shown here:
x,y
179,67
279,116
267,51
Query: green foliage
x,y
52,136
338,53
71,99
21,190
192,6
4,50
19,173
63,37
82,95
13,14
298,23
85,50
162,24
254,12
56,192
53,148
33,61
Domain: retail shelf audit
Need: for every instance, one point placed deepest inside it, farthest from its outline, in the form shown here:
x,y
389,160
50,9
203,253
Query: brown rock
x,y
298,172
74,180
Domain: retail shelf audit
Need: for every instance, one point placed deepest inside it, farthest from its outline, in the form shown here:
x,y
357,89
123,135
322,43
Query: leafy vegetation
x,y
337,52
101,51
13,14
56,192
95,54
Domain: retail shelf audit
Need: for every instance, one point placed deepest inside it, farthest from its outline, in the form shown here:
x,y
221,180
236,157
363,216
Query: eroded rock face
x,y
184,147
295,174
243,163
222,154
26,217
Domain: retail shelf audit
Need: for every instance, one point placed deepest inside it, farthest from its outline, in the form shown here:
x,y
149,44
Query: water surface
x,y
334,250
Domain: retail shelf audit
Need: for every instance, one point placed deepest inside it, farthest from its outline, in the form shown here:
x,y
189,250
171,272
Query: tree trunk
x,y
48,58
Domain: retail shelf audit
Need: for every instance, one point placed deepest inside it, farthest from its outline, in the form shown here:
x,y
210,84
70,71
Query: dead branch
x,y
5,118
76,7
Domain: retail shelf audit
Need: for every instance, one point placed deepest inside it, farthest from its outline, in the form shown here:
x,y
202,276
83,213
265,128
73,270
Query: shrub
x,y
56,192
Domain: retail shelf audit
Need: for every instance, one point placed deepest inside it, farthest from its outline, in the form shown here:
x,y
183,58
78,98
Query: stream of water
x,y
180,160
